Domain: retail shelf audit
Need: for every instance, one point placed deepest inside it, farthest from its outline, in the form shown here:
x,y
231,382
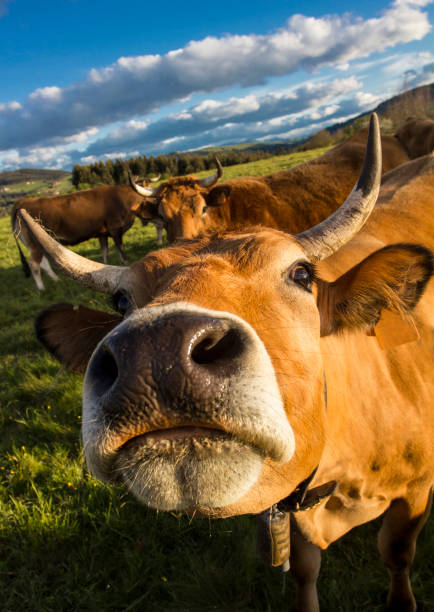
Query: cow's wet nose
x,y
214,347
103,370
172,354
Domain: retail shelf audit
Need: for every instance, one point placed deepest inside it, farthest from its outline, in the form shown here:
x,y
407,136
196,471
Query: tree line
x,y
116,172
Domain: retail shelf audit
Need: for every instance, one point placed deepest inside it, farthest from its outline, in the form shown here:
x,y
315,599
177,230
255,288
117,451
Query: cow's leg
x,y
46,266
159,235
103,242
35,267
117,237
305,565
397,544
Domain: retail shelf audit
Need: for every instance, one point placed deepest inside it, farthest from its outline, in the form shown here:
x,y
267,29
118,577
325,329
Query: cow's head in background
x,y
205,392
179,203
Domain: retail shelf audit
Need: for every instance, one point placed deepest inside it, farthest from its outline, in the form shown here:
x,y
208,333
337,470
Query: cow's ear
x,y
392,279
71,333
218,196
146,211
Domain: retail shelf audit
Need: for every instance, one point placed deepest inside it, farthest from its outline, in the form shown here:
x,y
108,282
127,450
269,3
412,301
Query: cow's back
x,y
352,152
296,199
84,214
405,208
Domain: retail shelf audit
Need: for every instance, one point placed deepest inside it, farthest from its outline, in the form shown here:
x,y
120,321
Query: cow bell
x,y
274,537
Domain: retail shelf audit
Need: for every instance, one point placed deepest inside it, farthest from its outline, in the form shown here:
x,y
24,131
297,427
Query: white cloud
x,y
366,100
58,155
90,159
10,106
251,111
49,94
80,136
407,61
135,86
292,125
415,78
48,157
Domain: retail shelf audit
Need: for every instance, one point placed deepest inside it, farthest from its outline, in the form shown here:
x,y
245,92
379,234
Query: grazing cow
x,y
416,136
262,372
94,213
292,200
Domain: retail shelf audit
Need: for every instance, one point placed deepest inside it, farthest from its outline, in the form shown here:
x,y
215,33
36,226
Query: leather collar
x,y
303,499
274,540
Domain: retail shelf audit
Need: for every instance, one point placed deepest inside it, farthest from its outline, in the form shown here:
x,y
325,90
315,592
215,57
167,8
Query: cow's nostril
x,y
218,347
104,370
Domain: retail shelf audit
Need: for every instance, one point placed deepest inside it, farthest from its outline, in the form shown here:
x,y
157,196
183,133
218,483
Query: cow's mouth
x,y
175,434
184,467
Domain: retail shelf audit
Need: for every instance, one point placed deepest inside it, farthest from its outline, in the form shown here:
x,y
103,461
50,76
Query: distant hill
x,y
31,182
11,177
418,102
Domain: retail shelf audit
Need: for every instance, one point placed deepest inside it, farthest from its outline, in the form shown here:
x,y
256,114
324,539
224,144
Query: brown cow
x,y
242,375
292,200
94,213
417,136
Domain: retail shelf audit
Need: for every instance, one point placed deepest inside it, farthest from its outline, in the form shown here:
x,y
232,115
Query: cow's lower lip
x,y
182,468
174,434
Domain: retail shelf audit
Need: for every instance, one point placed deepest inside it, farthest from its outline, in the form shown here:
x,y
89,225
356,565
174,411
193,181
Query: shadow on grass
x,y
102,551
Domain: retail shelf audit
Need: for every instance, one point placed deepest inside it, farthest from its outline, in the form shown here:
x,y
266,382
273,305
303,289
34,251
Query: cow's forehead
x,y
231,262
247,250
178,186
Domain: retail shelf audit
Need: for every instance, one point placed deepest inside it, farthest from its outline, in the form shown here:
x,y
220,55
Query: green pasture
x,y
268,165
30,188
26,187
69,543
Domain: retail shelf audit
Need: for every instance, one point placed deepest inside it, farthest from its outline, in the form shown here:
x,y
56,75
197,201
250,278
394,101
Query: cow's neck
x,y
274,523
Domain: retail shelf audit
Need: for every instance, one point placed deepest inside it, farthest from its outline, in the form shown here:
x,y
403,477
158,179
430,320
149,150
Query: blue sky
x,y
83,81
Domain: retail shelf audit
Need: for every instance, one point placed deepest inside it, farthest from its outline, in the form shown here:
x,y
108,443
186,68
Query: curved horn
x,y
143,191
155,179
209,181
324,239
89,273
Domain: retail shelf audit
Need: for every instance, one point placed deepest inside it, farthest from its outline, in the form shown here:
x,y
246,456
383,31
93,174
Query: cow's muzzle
x,y
183,395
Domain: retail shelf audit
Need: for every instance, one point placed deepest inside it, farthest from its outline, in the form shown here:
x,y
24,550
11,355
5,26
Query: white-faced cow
x,y
101,212
293,200
267,373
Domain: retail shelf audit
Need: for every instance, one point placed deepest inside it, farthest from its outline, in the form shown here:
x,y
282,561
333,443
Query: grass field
x,y
33,188
268,165
68,542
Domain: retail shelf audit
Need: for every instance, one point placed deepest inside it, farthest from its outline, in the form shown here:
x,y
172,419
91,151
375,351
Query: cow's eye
x,y
302,274
121,302
204,209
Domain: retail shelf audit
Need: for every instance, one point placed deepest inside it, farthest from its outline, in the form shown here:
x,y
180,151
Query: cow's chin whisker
x,y
184,473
